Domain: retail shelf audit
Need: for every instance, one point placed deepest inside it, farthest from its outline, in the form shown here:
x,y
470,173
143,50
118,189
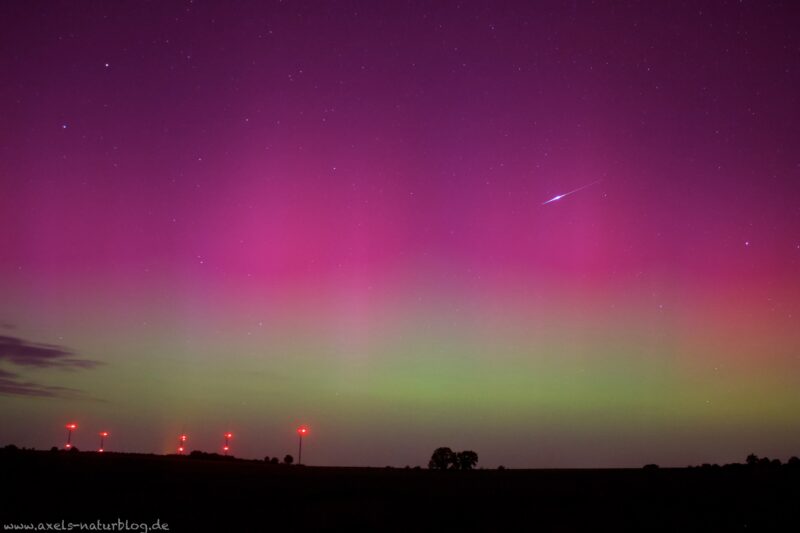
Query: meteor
x,y
560,196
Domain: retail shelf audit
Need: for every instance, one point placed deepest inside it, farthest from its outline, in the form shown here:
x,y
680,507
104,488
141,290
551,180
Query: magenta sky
x,y
245,216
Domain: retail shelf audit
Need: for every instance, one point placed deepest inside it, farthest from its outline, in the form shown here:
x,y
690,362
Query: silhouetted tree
x,y
54,449
266,458
274,461
288,459
442,459
198,454
501,467
466,460
793,461
752,459
775,463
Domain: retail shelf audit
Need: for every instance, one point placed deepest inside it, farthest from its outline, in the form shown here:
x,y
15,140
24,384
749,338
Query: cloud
x,y
10,384
28,354
24,353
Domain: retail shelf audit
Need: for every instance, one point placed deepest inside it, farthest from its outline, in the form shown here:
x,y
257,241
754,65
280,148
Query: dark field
x,y
206,495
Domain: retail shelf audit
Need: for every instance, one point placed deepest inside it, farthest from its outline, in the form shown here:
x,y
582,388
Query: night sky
x,y
246,216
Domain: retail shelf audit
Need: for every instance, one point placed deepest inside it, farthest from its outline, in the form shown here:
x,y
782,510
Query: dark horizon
x,y
290,459
212,494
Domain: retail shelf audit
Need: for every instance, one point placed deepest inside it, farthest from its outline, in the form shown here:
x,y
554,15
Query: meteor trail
x,y
560,196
